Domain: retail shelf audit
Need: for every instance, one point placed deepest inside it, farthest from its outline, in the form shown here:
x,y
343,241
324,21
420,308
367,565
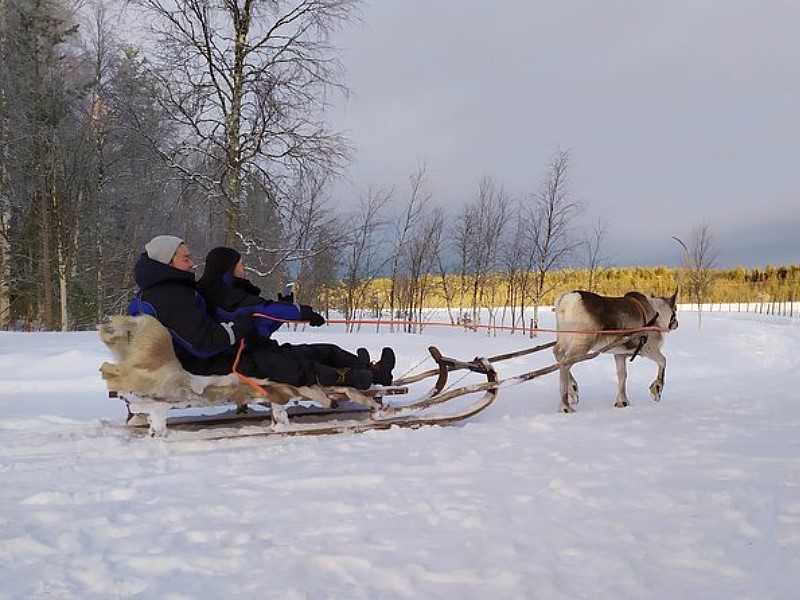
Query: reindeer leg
x,y
574,397
568,387
569,394
622,376
657,387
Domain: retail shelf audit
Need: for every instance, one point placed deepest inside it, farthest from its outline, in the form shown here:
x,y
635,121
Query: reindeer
x,y
581,316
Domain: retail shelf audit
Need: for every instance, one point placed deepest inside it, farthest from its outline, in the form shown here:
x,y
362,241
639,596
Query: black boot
x,y
329,376
382,370
361,379
363,356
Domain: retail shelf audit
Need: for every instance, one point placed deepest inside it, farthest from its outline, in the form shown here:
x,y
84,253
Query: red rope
x,y
445,324
259,389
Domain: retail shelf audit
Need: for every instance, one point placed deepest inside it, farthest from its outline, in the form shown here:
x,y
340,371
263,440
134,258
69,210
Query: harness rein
x,y
642,338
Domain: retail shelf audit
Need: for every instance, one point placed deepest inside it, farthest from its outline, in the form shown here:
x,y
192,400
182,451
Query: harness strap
x,y
258,388
638,305
643,338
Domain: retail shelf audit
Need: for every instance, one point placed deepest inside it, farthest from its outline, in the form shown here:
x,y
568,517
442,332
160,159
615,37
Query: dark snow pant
x,y
306,364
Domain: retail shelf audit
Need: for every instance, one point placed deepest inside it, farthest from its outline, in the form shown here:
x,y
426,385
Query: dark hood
x,y
218,279
149,272
220,263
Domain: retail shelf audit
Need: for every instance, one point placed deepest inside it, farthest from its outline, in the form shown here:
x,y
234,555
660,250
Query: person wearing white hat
x,y
162,248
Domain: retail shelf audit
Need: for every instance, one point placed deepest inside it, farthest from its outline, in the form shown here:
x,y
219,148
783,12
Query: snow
x,y
695,497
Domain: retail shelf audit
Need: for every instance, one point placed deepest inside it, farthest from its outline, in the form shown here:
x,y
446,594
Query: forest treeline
x,y
762,288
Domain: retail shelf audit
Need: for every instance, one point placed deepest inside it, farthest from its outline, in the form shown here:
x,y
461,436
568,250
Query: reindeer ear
x,y
673,301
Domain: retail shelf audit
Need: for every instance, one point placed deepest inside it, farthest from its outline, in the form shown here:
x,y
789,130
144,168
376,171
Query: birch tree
x,y
405,226
552,236
700,262
5,181
247,82
517,264
421,256
593,257
39,90
478,234
363,260
315,232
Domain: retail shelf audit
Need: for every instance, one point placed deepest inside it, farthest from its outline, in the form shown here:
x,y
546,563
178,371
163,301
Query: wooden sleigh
x,y
148,378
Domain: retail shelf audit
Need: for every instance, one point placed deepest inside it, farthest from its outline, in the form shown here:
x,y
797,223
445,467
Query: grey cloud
x,y
673,112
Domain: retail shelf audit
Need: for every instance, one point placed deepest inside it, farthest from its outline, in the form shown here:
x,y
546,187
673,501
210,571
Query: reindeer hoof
x,y
567,409
621,403
655,392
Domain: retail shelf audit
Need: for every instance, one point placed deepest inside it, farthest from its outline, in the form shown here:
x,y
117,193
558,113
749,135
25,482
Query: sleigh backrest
x,y
146,359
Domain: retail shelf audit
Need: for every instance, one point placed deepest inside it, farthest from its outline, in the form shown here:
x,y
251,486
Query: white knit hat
x,y
162,248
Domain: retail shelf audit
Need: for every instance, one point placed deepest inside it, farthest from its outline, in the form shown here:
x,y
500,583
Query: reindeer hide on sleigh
x,y
147,367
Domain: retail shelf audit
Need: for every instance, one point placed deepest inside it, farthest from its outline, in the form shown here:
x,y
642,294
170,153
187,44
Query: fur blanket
x,y
147,366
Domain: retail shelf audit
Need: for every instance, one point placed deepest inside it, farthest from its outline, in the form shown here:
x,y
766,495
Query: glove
x,y
288,293
244,328
314,318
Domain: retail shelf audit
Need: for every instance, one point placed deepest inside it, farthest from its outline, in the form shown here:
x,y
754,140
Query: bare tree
x,y
478,235
40,86
517,265
445,284
317,233
551,227
5,178
103,50
321,272
464,232
406,226
420,257
592,246
700,261
75,182
363,261
246,80
130,181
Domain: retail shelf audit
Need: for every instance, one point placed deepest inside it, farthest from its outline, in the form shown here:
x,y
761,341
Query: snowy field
x,y
695,497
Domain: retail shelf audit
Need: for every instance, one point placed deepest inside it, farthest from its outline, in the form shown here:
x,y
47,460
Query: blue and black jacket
x,y
228,296
202,345
242,298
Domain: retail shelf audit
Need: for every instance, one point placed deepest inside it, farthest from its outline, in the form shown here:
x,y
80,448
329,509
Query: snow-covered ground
x,y
696,497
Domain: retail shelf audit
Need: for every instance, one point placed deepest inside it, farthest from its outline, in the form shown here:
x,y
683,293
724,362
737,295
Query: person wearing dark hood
x,y
168,291
229,295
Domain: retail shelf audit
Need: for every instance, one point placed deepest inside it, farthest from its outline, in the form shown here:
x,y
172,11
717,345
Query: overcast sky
x,y
673,112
